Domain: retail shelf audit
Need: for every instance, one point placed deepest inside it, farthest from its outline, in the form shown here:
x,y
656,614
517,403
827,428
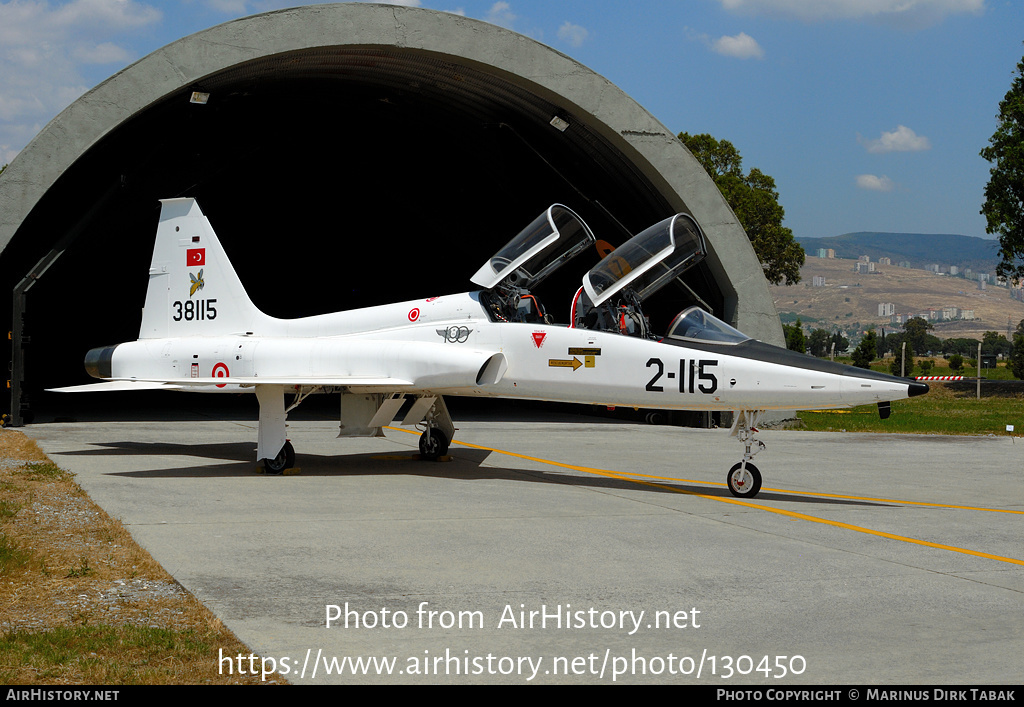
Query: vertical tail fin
x,y
193,289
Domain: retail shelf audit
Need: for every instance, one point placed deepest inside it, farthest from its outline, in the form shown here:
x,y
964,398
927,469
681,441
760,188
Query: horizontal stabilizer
x,y
115,386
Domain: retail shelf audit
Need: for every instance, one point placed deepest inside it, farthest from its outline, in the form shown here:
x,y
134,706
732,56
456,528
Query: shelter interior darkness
x,y
307,163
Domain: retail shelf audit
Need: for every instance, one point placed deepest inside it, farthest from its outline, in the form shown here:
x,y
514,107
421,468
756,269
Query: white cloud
x,y
874,183
909,14
29,23
105,53
902,139
7,154
575,35
741,46
43,49
501,14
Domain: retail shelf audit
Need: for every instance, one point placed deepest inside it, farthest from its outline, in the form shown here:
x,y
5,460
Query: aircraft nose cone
x,y
916,388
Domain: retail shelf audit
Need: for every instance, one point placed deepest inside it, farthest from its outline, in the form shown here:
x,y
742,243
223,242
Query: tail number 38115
x,y
693,374
194,310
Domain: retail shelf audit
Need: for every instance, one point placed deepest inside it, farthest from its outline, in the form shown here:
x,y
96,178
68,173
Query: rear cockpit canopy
x,y
552,240
648,261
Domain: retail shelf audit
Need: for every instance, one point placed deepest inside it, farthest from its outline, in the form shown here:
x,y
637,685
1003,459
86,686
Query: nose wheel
x,y
744,480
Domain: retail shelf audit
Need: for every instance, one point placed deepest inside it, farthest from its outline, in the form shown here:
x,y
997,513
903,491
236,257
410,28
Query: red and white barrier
x,y
939,378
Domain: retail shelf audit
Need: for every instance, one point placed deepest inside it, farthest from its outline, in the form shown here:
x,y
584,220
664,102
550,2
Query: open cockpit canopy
x,y
554,238
648,261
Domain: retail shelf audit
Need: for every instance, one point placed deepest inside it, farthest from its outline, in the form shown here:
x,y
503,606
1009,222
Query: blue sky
x,y
869,114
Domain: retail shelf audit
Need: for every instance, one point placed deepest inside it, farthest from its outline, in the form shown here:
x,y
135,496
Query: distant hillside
x,y
920,249
847,300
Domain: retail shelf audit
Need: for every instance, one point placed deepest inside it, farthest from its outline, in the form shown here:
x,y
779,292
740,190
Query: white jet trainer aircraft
x,y
201,332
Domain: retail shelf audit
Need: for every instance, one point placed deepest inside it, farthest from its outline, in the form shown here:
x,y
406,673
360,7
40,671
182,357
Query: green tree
x,y
1004,193
841,342
956,363
755,202
819,342
964,347
864,354
915,330
896,365
995,343
891,343
1016,362
795,339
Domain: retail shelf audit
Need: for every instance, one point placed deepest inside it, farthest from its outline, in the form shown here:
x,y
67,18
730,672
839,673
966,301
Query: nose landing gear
x,y
744,479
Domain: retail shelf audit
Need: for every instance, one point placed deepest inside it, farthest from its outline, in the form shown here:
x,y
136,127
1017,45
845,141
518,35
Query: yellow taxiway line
x,y
640,479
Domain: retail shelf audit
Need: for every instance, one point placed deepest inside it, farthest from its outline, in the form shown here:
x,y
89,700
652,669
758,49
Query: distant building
x,y
967,314
864,267
885,261
904,263
817,281
886,309
864,259
981,283
932,267
950,313
954,270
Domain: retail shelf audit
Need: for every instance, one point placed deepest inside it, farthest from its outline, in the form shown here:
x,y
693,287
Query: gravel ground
x,y
75,566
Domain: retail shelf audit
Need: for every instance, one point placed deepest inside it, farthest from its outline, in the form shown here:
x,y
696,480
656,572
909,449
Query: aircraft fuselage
x,y
453,337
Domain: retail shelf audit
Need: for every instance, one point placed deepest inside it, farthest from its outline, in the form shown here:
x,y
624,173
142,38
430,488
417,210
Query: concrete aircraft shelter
x,y
348,155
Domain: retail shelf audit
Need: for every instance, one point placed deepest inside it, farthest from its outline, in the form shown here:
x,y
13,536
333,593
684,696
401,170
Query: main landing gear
x,y
433,444
285,459
438,433
744,479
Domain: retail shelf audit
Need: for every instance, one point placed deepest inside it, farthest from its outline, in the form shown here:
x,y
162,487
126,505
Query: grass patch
x,y
942,411
104,655
41,471
81,602
14,558
81,570
8,509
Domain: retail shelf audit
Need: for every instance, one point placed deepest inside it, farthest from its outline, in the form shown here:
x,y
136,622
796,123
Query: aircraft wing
x,y
114,386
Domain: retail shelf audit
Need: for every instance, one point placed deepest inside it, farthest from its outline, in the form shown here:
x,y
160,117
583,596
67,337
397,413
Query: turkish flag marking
x,y
195,256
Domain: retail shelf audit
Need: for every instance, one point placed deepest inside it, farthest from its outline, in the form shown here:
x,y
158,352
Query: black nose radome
x,y
917,388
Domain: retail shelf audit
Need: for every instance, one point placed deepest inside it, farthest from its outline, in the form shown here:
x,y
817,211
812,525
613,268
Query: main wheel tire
x,y
433,444
285,459
744,484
